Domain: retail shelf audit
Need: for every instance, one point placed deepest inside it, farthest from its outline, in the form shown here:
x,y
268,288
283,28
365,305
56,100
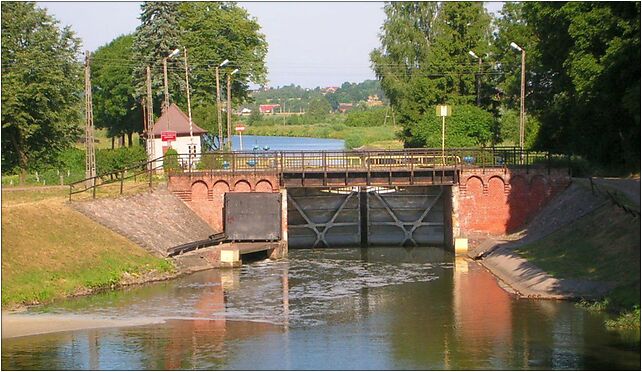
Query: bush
x,y
108,160
170,163
469,126
369,118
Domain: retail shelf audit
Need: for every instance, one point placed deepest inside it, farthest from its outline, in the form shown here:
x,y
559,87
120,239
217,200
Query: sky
x,y
309,43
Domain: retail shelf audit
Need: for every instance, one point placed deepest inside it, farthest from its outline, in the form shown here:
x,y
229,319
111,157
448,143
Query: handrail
x,y
280,162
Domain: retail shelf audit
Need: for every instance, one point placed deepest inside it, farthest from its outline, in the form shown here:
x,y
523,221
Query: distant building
x,y
175,120
374,101
268,109
343,107
327,90
245,112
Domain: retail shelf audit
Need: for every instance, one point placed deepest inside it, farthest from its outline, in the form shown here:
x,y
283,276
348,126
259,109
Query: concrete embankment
x,y
156,221
576,247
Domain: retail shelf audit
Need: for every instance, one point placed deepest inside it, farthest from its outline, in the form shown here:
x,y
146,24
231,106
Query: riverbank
x,y
582,246
19,325
50,251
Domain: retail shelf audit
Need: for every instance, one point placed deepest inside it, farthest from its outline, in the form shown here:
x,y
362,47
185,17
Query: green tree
x,y
586,92
468,126
319,108
115,107
155,38
423,60
41,81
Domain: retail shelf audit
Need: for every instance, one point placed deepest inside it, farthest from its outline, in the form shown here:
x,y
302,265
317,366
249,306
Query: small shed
x,y
175,120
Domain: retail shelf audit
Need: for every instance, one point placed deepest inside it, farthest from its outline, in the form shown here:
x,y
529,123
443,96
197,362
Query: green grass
x,y
601,246
50,251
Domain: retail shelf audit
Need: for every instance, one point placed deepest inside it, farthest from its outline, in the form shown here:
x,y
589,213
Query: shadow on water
x,y
378,308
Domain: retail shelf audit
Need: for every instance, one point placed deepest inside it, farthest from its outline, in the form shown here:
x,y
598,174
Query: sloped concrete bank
x,y
156,220
497,254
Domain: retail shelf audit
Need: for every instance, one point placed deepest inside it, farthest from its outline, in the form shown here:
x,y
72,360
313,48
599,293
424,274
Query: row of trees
x,y
42,97
583,73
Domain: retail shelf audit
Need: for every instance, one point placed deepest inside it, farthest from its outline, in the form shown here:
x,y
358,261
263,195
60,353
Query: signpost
x,y
240,128
443,111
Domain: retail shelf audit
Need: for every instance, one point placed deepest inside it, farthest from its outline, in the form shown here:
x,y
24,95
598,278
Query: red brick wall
x,y
501,201
204,194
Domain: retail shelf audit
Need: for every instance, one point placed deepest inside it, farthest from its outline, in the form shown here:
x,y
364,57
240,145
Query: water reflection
x,y
330,309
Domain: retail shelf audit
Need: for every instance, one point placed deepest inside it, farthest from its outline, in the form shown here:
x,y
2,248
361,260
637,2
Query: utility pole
x,y
218,111
90,154
166,100
522,106
229,111
150,118
522,111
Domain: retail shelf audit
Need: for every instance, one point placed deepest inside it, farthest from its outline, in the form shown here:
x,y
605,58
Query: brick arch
x,y
242,186
499,178
473,178
220,187
199,190
263,186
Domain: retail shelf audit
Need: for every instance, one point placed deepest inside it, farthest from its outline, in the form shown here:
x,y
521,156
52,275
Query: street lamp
x,y
173,54
522,114
218,105
229,106
472,54
192,145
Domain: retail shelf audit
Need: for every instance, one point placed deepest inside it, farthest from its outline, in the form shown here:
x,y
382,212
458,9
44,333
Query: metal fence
x,y
282,162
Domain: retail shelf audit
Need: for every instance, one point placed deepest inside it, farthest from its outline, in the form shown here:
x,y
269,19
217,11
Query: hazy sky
x,y
310,44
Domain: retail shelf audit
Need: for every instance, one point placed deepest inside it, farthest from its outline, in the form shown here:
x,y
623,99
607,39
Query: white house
x,y
175,120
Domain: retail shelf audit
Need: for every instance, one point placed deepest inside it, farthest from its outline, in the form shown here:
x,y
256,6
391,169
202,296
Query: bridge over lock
x,y
383,197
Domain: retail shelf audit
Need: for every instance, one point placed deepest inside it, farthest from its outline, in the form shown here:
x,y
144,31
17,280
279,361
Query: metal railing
x,y
135,171
281,162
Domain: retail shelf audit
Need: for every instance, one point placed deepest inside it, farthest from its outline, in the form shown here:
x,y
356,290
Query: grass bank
x,y
50,251
602,246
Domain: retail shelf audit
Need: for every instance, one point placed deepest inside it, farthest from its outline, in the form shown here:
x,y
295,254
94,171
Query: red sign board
x,y
240,128
168,135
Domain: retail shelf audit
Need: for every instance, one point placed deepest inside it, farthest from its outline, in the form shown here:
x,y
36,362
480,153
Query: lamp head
x,y
224,63
174,53
516,47
472,54
235,71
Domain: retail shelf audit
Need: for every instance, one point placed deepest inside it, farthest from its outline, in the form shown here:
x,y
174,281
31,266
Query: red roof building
x,y
175,120
268,109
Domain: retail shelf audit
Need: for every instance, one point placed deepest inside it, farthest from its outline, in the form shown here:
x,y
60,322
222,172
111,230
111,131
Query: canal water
x,y
278,143
377,308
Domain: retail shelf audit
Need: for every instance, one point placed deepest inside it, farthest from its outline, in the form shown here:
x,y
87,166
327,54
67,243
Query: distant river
x,y
288,143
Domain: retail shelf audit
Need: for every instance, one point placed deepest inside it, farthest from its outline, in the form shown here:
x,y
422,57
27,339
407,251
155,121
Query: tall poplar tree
x,y
41,87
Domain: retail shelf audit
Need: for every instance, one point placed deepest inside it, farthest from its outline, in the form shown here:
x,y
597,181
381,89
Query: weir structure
x,y
407,197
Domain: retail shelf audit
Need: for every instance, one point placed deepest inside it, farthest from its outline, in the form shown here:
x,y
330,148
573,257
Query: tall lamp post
x,y
229,107
192,145
218,104
472,54
166,104
522,114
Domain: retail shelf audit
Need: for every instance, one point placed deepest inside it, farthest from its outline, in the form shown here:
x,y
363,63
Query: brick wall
x,y
204,194
501,201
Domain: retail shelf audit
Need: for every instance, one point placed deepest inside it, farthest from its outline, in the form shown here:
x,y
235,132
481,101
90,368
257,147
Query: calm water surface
x,y
381,308
277,143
